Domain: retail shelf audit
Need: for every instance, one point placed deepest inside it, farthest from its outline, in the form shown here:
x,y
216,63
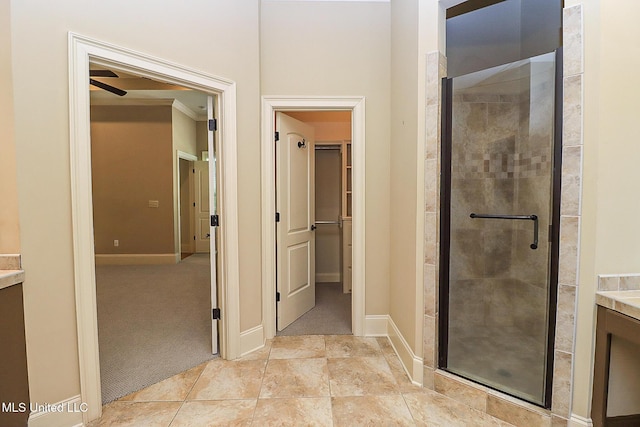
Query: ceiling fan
x,y
104,86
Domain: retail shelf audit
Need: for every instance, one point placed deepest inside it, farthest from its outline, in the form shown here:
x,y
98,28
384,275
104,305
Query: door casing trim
x,y
83,50
271,104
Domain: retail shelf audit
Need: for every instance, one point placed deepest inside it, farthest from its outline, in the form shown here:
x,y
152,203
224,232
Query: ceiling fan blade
x,y
107,87
102,73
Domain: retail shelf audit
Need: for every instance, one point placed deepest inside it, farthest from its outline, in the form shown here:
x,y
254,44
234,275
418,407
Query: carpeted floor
x,y
330,316
153,322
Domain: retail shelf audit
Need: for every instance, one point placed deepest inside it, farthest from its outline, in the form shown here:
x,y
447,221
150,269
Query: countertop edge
x,y
10,278
620,302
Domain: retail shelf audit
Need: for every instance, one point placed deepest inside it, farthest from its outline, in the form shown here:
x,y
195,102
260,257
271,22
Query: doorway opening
x,y
153,299
82,52
302,222
327,148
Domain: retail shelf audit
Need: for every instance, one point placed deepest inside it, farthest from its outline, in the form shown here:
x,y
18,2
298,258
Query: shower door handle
x,y
533,218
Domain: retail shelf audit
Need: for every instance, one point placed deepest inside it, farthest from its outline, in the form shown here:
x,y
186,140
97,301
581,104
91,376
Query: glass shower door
x,y
499,258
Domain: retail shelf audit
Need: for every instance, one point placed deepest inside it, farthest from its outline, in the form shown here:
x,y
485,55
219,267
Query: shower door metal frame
x,y
445,229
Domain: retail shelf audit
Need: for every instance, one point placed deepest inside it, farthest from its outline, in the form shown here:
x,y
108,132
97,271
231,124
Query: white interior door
x,y
212,209
295,164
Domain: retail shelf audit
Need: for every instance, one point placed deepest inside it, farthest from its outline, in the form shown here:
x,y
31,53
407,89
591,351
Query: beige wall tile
x,y
572,39
572,111
430,230
565,321
430,284
429,343
571,180
629,283
514,414
467,394
569,228
10,262
433,134
430,184
608,283
428,378
562,368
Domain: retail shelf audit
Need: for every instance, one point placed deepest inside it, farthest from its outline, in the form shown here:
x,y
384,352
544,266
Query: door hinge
x,y
193,170
194,237
215,221
277,296
213,124
216,313
277,136
277,216
194,204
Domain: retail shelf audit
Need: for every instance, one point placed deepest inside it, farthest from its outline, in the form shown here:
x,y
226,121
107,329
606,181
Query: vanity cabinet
x,y
617,323
14,384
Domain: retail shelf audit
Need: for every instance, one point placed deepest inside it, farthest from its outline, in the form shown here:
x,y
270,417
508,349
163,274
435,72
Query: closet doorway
x,y
330,219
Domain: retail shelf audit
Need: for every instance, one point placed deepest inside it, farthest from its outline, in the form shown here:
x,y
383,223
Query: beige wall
x,y
186,34
609,241
132,163
340,49
9,223
403,170
184,136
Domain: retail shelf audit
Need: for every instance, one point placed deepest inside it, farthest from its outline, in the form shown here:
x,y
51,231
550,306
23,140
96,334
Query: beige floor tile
x,y
215,413
135,414
359,376
314,411
401,377
296,378
370,411
260,354
385,346
222,379
297,347
432,409
350,346
175,388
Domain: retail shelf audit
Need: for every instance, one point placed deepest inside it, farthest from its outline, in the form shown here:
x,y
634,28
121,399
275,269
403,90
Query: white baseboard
x,y
411,363
578,421
376,325
328,277
136,259
67,413
251,340
384,326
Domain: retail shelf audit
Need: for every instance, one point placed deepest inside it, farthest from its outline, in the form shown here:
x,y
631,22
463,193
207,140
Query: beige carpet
x,y
153,322
330,316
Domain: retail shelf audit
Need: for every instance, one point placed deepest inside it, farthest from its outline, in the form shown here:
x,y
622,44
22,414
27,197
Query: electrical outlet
x,y
116,243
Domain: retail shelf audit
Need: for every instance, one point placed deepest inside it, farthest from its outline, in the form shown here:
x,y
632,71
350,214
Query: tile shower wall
x,y
479,397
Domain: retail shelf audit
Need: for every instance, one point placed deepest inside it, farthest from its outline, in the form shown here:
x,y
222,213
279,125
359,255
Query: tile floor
x,y
312,380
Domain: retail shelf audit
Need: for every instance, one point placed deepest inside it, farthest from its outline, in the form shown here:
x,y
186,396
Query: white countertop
x,y
625,302
10,278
